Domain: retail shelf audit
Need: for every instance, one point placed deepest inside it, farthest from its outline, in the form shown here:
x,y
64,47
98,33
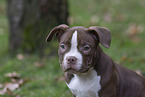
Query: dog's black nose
x,y
71,60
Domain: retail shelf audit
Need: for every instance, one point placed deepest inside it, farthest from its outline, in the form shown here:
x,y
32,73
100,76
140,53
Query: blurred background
x,y
29,66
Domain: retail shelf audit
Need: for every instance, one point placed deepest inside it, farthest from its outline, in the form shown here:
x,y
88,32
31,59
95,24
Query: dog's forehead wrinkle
x,y
83,42
79,29
86,40
67,40
67,36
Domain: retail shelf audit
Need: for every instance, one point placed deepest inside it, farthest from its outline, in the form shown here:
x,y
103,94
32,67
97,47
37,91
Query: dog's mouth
x,y
71,70
74,71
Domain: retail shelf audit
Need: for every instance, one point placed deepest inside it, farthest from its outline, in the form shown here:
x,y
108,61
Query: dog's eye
x,y
62,46
86,48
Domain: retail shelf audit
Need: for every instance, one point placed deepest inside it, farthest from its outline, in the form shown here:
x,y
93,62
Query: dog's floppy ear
x,y
103,34
59,30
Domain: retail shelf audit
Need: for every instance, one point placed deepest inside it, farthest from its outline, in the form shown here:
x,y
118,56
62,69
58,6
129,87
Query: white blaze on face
x,y
74,52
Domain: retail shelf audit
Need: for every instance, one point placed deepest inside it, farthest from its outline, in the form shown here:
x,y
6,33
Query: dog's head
x,y
78,46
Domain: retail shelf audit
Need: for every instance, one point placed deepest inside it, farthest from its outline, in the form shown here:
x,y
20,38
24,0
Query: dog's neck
x,y
85,84
103,62
85,76
103,66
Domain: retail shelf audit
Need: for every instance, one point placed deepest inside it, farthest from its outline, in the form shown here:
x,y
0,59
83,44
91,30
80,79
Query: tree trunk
x,y
31,20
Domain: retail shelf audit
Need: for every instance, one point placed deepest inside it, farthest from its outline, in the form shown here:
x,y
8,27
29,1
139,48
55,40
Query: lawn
x,y
44,78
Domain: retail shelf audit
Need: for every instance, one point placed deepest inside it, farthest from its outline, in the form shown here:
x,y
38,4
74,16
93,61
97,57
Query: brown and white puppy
x,y
89,72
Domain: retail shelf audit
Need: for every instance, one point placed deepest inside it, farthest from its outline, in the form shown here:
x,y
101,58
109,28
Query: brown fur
x,y
116,81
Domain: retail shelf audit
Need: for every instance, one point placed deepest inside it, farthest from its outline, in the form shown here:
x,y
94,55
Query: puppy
x,y
89,72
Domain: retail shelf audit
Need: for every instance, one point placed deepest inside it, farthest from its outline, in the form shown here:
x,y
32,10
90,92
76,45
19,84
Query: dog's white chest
x,y
85,85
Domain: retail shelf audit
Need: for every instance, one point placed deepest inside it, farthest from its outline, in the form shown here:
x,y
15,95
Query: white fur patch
x,y
85,85
74,52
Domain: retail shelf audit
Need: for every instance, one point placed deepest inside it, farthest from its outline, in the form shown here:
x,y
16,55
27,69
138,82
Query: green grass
x,y
117,15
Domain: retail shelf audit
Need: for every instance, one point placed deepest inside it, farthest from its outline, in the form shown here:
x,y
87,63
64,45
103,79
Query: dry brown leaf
x,y
14,80
108,17
38,64
1,85
142,60
15,83
8,87
9,92
11,86
133,30
26,79
70,20
130,60
17,96
20,82
123,58
12,75
136,39
94,20
2,92
20,57
60,79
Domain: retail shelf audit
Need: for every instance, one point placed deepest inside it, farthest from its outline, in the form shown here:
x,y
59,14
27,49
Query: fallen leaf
x,y
38,64
123,58
70,20
12,75
136,39
108,17
20,82
142,60
94,20
130,60
17,96
60,79
9,92
20,56
133,30
11,86
26,79
15,83
2,92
